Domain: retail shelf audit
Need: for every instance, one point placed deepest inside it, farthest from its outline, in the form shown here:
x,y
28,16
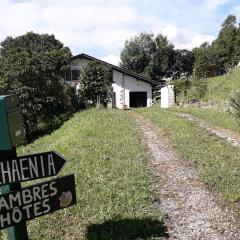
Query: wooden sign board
x,y
37,200
30,167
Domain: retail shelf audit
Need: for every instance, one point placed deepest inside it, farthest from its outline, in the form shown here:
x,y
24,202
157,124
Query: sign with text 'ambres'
x,y
37,200
26,168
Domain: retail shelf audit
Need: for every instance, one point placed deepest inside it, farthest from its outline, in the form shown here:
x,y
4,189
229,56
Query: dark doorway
x,y
138,99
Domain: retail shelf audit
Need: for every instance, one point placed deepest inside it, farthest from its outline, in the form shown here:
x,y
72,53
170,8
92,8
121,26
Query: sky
x,y
100,27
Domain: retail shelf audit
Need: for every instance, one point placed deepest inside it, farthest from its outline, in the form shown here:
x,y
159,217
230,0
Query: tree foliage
x,y
148,55
225,45
235,104
182,64
32,66
224,51
95,84
204,56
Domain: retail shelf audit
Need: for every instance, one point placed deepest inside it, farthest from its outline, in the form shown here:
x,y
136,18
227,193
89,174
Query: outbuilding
x,y
129,90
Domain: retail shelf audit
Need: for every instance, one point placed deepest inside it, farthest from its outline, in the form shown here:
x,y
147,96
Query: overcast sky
x,y
100,27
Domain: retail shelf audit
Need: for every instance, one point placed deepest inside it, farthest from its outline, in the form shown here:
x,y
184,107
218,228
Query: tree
x,y
182,64
204,56
32,66
230,21
95,84
148,55
226,45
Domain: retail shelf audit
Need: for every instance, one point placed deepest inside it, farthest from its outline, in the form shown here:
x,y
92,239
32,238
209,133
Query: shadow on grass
x,y
127,229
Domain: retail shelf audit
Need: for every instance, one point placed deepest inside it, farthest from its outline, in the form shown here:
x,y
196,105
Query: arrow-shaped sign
x,y
30,167
37,200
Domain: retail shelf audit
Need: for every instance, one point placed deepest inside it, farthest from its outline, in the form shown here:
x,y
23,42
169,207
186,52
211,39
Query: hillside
x,y
219,89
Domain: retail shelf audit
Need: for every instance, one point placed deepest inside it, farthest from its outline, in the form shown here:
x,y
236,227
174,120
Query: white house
x,y
129,90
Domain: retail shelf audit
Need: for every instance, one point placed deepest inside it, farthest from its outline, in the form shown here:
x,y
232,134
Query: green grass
x,y
113,186
217,162
212,116
219,89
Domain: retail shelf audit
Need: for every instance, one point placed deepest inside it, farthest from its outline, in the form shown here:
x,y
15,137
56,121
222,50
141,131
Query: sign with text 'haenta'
x,y
37,200
26,168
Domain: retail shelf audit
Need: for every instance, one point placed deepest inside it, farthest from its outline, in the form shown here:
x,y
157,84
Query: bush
x,y
95,84
182,86
235,104
198,89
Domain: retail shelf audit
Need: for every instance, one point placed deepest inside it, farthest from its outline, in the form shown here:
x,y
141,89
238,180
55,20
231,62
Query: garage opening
x,y
138,99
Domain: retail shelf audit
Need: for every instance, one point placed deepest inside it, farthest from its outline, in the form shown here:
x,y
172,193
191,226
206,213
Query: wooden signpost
x,y
30,167
36,200
18,205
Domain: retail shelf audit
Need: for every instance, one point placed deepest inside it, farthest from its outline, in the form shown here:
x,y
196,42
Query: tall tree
x,y
148,55
182,64
95,84
225,45
203,57
33,66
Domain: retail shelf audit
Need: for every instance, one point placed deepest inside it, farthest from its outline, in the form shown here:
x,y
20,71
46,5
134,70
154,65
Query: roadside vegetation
x,y
216,161
115,200
216,89
213,116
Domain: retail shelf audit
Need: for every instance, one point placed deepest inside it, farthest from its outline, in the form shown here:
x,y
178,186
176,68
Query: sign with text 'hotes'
x,y
30,167
37,200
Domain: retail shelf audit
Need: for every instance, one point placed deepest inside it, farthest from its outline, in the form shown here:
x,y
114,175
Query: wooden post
x,y
18,231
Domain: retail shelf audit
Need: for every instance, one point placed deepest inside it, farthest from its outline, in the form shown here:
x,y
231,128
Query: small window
x,y
75,75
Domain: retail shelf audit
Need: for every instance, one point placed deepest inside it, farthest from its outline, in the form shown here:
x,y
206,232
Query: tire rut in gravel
x,y
192,210
230,137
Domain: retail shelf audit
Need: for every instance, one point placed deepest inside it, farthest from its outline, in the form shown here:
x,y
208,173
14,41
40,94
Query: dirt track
x,y
230,137
192,210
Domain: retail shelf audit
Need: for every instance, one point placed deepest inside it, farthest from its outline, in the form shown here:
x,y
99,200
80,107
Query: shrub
x,y
95,84
198,89
235,104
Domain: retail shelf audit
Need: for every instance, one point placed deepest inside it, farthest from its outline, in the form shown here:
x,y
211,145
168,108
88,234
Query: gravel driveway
x,y
230,137
193,211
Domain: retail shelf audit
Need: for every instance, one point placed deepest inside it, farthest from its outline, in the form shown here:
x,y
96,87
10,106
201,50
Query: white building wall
x,y
167,96
124,84
134,85
118,88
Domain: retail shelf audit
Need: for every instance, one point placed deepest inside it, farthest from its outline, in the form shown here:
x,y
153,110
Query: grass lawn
x,y
113,186
212,116
219,89
217,162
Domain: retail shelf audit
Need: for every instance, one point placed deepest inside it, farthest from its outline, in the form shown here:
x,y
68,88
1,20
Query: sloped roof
x,y
122,70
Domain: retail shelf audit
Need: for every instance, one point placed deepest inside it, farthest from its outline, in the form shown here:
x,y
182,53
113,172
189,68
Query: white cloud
x,y
111,58
212,4
170,31
184,38
101,27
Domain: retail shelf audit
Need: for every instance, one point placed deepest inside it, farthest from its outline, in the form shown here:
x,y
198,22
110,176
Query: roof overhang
x,y
116,68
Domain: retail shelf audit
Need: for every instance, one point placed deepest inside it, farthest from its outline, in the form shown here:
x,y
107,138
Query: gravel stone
x,y
230,137
193,211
